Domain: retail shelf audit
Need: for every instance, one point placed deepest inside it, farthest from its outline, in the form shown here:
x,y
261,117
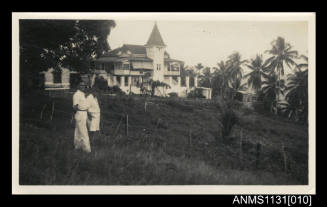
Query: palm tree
x,y
255,76
297,95
199,67
237,86
235,65
303,66
156,84
271,90
221,78
205,79
282,53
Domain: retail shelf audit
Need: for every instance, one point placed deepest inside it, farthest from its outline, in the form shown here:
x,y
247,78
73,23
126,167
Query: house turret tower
x,y
155,49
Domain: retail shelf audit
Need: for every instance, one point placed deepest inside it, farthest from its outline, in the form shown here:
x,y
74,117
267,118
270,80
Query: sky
x,y
209,42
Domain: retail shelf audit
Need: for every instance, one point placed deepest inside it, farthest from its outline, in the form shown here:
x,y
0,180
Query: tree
x,y
220,79
282,53
271,90
237,86
188,71
68,43
297,94
257,74
199,67
235,63
205,79
89,42
154,84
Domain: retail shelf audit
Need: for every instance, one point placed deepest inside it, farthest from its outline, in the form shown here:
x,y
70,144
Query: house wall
x,y
207,92
65,76
157,55
49,78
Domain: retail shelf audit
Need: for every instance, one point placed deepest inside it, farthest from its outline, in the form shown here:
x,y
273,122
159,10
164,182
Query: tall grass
x,y
156,154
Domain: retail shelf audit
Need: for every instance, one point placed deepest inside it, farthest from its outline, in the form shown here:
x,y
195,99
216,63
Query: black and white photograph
x,y
163,102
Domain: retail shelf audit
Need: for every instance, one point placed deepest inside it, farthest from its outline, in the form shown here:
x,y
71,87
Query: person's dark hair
x,y
95,92
75,81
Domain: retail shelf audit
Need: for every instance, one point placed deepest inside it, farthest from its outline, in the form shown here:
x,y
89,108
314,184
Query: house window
x,y
111,66
158,66
126,80
183,81
135,81
126,66
56,76
118,65
118,79
168,67
174,67
191,81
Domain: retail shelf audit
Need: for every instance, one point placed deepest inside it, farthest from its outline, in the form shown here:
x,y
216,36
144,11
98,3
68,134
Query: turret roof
x,y
155,38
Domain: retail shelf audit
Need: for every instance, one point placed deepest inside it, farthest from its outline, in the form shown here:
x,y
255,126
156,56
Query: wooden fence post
x,y
190,138
258,152
52,110
126,126
117,128
241,147
43,108
284,156
71,120
190,143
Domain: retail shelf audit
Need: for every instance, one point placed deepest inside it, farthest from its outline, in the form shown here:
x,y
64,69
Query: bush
x,y
116,90
228,118
246,110
172,94
179,105
196,93
101,84
259,107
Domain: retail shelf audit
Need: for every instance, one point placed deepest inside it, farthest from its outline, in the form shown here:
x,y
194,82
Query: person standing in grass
x,y
93,121
80,106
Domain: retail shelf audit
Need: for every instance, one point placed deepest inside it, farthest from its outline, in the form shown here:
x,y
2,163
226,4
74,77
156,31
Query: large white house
x,y
131,65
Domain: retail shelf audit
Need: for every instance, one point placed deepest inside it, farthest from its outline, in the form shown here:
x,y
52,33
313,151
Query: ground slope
x,y
175,141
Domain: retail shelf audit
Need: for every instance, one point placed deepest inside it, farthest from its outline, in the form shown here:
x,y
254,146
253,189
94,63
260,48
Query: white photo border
x,y
310,17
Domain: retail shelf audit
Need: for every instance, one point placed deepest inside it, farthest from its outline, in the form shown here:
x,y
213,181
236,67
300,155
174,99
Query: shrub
x,y
196,93
259,107
179,105
172,94
100,83
116,90
228,118
246,110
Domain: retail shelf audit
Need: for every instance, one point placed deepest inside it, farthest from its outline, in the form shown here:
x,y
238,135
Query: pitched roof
x,y
135,49
155,37
118,59
173,60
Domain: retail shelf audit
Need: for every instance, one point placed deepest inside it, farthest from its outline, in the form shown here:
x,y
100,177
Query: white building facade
x,y
130,66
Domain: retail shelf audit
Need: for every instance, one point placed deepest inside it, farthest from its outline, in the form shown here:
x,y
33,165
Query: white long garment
x,y
94,111
81,136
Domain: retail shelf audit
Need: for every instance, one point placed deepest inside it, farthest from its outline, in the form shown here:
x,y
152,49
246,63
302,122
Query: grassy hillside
x,y
176,141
